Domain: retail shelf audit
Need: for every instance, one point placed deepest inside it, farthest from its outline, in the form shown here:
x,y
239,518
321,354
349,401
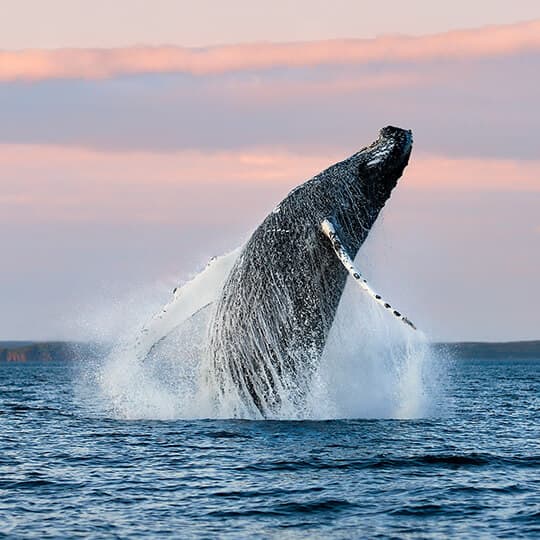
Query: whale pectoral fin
x,y
204,310
188,300
330,232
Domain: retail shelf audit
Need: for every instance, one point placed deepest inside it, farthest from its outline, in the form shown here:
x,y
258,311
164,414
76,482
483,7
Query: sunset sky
x,y
138,139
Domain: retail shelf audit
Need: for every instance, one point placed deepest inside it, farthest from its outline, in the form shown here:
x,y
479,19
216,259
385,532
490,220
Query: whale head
x,y
380,165
352,192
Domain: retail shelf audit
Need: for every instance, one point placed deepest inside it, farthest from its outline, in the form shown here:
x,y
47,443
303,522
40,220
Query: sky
x,y
137,140
104,23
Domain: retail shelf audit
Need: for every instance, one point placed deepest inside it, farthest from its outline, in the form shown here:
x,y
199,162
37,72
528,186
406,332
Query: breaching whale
x,y
272,302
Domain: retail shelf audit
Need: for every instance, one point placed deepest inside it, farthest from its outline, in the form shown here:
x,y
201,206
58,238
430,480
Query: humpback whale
x,y
280,298
272,302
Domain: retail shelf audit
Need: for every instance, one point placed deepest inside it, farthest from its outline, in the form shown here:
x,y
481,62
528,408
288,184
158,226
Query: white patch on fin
x,y
330,232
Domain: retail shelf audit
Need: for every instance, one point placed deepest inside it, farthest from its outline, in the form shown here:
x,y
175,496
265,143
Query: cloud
x,y
461,106
439,173
55,184
33,65
480,108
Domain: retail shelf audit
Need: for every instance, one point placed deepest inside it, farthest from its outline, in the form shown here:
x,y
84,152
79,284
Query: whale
x,y
280,298
270,304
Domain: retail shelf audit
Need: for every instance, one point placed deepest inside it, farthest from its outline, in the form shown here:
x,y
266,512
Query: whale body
x,y
272,315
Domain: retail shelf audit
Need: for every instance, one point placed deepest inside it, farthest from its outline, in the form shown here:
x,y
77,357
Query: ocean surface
x,y
470,471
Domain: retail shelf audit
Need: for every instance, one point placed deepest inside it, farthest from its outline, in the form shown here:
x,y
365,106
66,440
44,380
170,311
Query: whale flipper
x,y
204,311
192,298
347,261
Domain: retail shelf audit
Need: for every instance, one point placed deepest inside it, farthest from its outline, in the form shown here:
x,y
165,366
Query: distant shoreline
x,y
491,350
28,351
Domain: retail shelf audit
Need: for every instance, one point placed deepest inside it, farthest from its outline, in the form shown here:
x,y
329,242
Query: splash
x,y
371,367
283,341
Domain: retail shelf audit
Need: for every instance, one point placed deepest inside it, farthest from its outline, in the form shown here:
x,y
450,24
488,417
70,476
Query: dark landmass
x,y
487,350
14,344
24,351
11,351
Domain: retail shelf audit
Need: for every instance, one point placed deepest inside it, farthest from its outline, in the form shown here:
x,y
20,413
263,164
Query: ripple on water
x,y
474,472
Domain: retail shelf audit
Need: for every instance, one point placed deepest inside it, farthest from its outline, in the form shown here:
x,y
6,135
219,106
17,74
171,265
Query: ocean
x,y
469,470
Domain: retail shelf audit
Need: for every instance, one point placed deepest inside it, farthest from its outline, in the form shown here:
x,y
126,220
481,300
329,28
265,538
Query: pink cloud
x,y
437,172
105,63
69,184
